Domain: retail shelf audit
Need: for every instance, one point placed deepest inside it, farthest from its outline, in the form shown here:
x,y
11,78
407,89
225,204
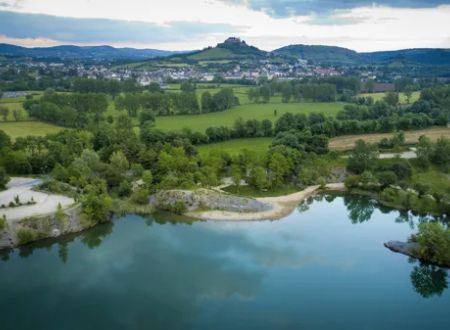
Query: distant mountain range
x,y
97,53
236,49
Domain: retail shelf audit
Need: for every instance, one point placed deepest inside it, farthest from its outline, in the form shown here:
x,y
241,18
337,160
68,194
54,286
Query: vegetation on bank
x,y
434,243
399,182
106,159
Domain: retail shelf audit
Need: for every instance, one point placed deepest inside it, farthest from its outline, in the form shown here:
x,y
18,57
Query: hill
x,y
232,48
320,54
424,56
343,56
94,53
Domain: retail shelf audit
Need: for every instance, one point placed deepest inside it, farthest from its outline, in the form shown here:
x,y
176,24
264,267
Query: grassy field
x,y
26,128
440,182
403,100
232,147
227,118
342,143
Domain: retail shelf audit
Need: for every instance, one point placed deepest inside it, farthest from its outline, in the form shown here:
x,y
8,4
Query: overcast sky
x,y
194,24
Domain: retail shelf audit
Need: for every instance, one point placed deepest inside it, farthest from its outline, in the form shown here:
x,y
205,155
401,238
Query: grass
x,y
439,182
403,100
248,191
342,143
227,118
259,145
212,54
26,128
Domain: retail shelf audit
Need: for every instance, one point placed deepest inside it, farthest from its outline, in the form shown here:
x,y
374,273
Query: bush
x,y
140,196
3,223
26,235
387,178
434,242
179,207
352,181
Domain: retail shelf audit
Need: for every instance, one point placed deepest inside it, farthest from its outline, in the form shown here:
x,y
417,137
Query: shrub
x,y
26,235
3,223
179,207
140,196
387,178
352,181
434,242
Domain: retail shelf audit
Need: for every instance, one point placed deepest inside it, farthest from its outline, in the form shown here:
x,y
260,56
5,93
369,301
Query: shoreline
x,y
279,206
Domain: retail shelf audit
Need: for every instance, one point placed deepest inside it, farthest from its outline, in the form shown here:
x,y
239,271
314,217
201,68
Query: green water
x,y
322,267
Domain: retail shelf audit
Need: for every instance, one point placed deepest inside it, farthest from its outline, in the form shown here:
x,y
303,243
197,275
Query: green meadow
x,y
26,128
201,122
259,145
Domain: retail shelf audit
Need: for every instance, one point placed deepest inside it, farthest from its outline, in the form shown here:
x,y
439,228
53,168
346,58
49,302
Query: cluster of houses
x,y
162,74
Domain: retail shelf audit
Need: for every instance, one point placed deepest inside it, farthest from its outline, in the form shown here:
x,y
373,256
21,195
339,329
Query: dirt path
x,y
22,187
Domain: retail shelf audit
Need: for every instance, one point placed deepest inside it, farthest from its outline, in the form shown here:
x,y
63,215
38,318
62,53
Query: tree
x,y
4,179
96,204
434,242
258,178
146,116
5,140
4,112
392,98
17,115
236,175
362,157
207,102
408,93
119,161
147,178
278,168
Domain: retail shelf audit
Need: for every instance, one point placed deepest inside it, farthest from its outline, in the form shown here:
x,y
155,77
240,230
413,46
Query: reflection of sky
x,y
218,274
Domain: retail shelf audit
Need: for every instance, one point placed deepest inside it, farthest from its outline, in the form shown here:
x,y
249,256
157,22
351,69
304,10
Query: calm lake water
x,y
322,267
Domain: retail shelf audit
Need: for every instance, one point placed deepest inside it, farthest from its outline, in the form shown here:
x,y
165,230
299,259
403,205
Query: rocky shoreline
x,y
274,207
410,249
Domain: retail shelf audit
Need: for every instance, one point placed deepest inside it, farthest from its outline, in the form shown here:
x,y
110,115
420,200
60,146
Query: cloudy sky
x,y
194,24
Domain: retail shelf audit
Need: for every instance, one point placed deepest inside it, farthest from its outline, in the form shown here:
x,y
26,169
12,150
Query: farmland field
x,y
25,128
227,118
347,142
403,100
341,143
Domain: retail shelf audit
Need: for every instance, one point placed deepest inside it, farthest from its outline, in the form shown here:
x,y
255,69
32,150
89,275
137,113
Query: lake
x,y
322,267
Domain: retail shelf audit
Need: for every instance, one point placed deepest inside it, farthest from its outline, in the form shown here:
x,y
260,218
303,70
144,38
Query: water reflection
x,y
429,280
360,208
168,272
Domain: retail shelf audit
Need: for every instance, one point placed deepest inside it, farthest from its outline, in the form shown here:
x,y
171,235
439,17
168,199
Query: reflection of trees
x,y
330,197
94,237
429,280
63,251
303,207
360,208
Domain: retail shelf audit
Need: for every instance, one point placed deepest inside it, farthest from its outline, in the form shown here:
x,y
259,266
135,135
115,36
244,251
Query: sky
x,y
195,24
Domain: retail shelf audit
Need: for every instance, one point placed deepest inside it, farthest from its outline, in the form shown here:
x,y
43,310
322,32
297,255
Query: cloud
x,y
87,30
286,8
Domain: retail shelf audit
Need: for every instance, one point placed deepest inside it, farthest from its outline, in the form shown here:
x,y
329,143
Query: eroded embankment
x,y
211,205
29,215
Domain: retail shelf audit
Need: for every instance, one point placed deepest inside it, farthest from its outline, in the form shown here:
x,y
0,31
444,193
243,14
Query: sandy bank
x,y
279,206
